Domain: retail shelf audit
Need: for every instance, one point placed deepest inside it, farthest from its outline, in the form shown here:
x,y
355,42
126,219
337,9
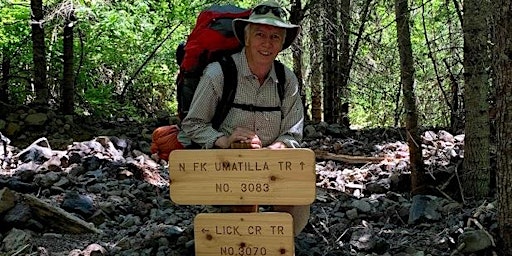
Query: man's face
x,y
264,42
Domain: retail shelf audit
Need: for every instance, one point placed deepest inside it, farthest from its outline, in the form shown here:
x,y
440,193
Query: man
x,y
264,34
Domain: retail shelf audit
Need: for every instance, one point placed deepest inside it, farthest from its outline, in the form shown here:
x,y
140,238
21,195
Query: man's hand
x,y
240,135
277,145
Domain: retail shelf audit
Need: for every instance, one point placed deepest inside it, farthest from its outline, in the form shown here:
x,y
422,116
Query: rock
x,y
459,138
7,200
130,221
310,132
16,240
336,130
362,205
379,187
12,129
43,251
36,119
92,163
411,252
46,180
63,182
446,136
75,252
99,217
352,214
27,171
94,250
429,137
363,239
474,240
18,216
18,186
423,208
449,208
81,204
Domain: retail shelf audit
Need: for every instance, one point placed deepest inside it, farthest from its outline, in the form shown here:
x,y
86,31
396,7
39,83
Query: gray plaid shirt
x,y
285,125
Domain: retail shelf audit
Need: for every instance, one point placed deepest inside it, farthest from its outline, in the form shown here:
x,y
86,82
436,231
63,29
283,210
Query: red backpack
x,y
211,39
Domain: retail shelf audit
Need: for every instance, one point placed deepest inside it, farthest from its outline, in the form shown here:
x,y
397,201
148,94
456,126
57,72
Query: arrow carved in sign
x,y
302,165
204,230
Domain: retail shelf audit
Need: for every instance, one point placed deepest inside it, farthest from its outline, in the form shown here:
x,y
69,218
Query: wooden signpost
x,y
243,177
244,234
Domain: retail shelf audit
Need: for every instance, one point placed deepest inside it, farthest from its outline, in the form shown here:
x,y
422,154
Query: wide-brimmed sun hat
x,y
267,13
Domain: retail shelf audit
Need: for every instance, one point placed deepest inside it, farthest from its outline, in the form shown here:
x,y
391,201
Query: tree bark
x,y
504,121
476,176
39,52
344,59
68,80
329,62
316,66
418,182
296,17
6,73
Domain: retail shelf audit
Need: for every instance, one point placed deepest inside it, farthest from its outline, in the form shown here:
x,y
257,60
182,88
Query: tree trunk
x,y
316,66
418,182
457,100
39,52
296,16
504,121
343,64
476,176
6,73
68,87
329,63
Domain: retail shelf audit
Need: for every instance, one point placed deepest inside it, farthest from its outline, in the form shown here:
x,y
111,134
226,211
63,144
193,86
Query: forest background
x,y
420,63
124,56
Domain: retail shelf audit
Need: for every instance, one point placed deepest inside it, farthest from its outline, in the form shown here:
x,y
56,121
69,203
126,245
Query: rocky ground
x,y
99,192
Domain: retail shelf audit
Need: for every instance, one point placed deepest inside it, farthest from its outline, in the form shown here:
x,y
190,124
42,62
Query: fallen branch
x,y
58,218
460,184
324,155
443,193
21,250
483,229
35,144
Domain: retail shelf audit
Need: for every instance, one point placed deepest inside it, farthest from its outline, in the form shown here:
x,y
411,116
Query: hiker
x,y
258,118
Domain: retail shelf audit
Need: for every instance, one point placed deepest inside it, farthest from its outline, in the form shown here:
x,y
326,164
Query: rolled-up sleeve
x,y
293,113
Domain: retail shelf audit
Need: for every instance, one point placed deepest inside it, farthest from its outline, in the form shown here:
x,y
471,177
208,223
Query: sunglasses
x,y
264,9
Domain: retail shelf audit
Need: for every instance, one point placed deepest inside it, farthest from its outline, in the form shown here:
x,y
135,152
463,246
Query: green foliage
x,y
375,77
116,72
13,25
14,46
103,104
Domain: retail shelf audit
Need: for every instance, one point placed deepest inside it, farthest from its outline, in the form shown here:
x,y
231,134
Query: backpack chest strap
x,y
252,108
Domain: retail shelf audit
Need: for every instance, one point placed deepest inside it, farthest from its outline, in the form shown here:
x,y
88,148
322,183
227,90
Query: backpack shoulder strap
x,y
281,78
230,84
229,91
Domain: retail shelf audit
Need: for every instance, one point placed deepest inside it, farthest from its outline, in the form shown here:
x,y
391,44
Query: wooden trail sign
x,y
242,176
244,234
